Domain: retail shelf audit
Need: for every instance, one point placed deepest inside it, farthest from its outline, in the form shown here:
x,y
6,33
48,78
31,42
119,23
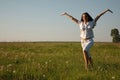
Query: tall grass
x,y
57,61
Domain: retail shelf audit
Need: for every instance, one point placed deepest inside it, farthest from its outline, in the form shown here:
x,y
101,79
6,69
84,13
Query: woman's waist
x,y
87,38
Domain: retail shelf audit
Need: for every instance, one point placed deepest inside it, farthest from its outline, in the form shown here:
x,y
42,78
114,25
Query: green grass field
x,y
57,61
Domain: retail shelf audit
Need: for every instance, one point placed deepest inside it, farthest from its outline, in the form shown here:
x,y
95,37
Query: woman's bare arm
x,y
96,19
71,17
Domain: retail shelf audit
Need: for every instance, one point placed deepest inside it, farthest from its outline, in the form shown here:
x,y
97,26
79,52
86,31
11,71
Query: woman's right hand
x,y
63,14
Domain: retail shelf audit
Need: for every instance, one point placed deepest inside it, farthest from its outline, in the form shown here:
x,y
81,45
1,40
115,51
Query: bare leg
x,y
90,61
86,59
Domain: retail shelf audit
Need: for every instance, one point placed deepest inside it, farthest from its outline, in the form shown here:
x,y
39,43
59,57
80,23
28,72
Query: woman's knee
x,y
85,51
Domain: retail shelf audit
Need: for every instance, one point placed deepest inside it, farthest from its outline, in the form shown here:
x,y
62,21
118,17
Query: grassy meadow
x,y
57,61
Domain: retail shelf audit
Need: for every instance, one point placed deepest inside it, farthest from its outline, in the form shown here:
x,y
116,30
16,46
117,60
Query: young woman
x,y
86,25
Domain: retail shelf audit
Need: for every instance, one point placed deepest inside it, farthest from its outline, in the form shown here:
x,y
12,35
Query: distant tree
x,y
115,35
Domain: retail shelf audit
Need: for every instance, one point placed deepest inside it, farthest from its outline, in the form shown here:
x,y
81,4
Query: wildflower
x,y
38,64
46,62
43,75
113,77
99,67
14,71
29,59
49,60
1,48
66,62
9,65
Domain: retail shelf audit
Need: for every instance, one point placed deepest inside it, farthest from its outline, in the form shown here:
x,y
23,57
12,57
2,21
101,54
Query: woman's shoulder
x,y
79,22
93,21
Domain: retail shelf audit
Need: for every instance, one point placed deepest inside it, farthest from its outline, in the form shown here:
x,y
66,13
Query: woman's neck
x,y
85,22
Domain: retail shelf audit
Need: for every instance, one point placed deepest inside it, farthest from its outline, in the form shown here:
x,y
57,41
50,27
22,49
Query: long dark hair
x,y
89,17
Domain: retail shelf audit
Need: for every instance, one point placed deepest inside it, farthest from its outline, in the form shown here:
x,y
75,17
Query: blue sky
x,y
40,20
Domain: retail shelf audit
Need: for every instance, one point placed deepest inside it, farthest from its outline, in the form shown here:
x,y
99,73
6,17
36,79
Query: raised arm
x,y
102,14
71,17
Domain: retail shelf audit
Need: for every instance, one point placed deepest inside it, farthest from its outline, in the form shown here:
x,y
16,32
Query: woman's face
x,y
85,17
